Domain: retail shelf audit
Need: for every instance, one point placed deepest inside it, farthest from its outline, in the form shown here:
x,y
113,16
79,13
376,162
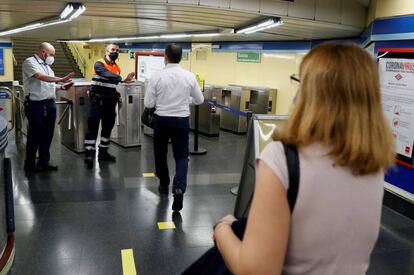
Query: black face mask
x,y
113,56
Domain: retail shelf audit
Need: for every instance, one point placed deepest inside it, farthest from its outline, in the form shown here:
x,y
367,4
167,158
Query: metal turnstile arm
x,y
68,110
11,97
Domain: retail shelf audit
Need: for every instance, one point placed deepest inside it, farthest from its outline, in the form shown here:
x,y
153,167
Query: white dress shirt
x,y
38,89
170,91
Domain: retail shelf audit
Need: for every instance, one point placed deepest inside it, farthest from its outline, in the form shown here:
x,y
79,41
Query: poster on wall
x,y
1,61
397,93
146,65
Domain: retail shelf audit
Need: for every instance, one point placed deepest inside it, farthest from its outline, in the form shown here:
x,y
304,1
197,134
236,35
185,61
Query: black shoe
x,y
178,200
163,190
31,168
47,167
89,161
105,156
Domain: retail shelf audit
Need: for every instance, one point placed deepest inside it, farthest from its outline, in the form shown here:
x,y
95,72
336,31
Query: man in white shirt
x,y
169,91
39,82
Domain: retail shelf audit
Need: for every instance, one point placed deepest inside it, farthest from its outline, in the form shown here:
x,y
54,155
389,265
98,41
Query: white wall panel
x,y
302,9
215,3
273,7
329,10
251,5
353,13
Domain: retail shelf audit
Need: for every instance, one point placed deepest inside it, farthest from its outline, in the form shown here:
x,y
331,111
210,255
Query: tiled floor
x,y
76,221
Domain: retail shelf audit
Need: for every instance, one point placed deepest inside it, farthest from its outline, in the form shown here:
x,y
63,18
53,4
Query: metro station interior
x,y
111,218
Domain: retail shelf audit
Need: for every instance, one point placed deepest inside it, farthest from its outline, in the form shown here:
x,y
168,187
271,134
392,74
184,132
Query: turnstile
x,y
74,115
8,101
209,117
127,130
235,98
262,99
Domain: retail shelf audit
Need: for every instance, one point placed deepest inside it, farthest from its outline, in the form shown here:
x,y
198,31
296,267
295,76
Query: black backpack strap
x,y
292,160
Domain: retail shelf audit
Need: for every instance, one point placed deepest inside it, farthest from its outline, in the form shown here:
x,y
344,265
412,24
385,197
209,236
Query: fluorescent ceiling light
x,y
66,11
205,34
260,26
78,12
162,36
172,36
72,10
21,29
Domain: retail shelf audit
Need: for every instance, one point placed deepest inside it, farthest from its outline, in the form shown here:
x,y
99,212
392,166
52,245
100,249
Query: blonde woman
x,y
345,145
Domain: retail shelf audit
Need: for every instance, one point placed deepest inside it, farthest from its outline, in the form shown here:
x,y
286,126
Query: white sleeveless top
x,y
336,220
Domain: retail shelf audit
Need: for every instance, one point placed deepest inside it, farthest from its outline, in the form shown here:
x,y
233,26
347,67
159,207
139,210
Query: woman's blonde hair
x,y
339,105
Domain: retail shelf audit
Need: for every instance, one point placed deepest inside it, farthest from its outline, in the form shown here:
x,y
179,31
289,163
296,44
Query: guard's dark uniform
x,y
103,100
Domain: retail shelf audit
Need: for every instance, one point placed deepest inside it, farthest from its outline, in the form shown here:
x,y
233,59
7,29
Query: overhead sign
x,y
1,61
250,57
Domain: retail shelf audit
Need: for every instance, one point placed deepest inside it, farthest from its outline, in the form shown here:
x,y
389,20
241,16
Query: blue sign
x,y
1,61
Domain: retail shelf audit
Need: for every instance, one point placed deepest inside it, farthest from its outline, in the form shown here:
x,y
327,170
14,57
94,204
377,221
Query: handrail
x,y
79,56
11,94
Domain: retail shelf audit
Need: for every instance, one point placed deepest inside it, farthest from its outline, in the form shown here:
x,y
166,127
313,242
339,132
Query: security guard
x,y
40,86
103,99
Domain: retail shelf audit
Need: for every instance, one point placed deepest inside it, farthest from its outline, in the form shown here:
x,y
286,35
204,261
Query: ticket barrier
x,y
73,107
235,98
261,128
209,120
209,116
262,99
127,131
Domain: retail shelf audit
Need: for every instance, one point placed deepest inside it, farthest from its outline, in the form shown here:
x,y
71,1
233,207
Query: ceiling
x,y
318,20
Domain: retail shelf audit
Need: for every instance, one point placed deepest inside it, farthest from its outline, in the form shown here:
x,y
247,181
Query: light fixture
x,y
260,26
205,34
32,27
148,37
72,10
177,35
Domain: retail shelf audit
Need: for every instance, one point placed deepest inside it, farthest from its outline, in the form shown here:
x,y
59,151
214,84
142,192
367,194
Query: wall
x,y
389,8
222,68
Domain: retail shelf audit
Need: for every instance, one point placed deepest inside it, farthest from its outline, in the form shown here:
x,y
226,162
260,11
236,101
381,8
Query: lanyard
x,y
44,66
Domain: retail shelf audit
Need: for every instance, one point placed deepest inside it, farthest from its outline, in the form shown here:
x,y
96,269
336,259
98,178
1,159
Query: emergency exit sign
x,y
132,55
250,57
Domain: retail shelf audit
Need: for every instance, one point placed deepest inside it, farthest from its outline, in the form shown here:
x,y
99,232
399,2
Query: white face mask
x,y
49,60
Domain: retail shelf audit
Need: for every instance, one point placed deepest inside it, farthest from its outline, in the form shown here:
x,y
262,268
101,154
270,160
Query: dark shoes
x,y
33,168
39,167
163,190
178,200
89,161
103,155
47,167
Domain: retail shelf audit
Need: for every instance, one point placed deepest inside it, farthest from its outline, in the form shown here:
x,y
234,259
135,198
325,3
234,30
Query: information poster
x,y
147,65
397,89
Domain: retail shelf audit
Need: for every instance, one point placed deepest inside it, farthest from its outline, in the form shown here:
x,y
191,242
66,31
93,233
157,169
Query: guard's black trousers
x,y
101,108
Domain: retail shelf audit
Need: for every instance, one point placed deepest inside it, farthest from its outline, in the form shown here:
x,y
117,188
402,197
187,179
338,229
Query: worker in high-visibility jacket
x,y
103,99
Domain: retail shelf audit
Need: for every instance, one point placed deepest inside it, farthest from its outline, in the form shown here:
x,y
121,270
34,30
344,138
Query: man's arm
x,y
196,93
48,78
104,72
150,93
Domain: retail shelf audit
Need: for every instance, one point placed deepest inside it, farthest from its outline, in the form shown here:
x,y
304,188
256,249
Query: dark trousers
x,y
41,116
178,129
101,108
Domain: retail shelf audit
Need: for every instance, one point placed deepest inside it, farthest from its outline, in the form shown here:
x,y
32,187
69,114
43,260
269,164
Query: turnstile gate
x,y
127,131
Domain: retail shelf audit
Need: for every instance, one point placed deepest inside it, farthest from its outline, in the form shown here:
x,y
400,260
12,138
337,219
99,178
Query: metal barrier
x,y
12,98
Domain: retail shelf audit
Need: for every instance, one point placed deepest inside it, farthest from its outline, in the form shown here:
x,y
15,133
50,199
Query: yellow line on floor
x,y
148,175
128,262
166,225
